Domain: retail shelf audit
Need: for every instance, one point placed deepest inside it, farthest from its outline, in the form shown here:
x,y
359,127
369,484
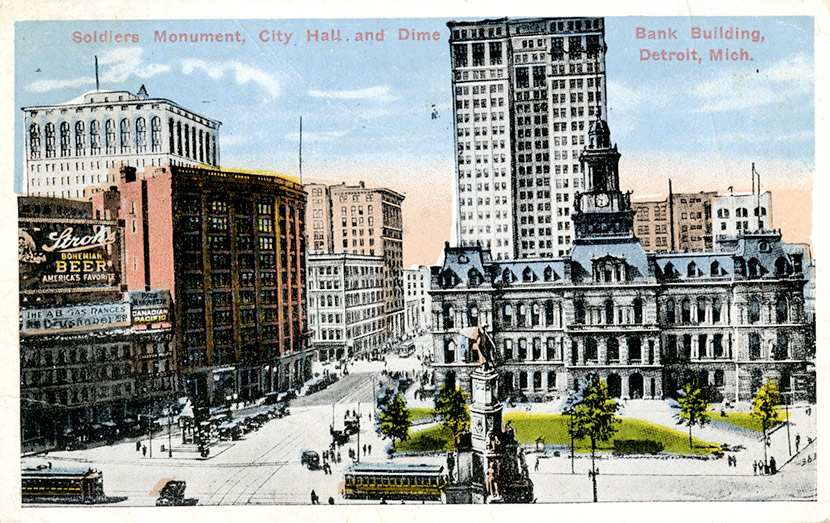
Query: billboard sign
x,y
53,320
150,306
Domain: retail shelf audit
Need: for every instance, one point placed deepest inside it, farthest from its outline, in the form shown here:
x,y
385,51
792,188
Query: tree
x,y
451,405
765,408
394,420
694,403
568,410
593,418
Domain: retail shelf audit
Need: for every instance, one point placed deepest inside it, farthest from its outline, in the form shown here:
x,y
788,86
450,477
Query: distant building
x,y
356,219
230,247
681,222
740,213
345,304
417,301
72,145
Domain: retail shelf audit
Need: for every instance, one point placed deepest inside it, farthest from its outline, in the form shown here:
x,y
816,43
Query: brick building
x,y
230,247
680,222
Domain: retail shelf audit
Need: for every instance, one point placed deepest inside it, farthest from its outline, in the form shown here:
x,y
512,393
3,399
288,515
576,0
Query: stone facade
x,y
416,299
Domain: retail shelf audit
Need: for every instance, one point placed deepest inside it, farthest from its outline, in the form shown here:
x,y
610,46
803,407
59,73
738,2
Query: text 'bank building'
x,y
525,92
646,323
72,145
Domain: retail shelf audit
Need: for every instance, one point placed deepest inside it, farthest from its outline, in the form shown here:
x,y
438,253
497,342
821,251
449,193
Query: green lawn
x,y
744,420
416,413
554,430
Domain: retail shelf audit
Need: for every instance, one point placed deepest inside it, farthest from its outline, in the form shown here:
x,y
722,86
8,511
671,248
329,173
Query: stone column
x,y
624,385
623,340
602,351
695,354
580,352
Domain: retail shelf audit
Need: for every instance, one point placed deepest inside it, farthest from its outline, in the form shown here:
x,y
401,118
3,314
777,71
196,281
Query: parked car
x,y
172,494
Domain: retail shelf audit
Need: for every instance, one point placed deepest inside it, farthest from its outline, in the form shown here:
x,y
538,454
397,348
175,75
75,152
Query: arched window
x,y
609,311
716,308
754,268
80,139
521,315
701,310
125,135
638,310
171,126
754,346
155,134
202,148
754,309
448,316
548,274
94,137
537,348
474,278
691,270
535,313
449,351
551,380
522,380
726,213
782,346
522,349
109,129
179,138
612,349
472,315
668,271
781,266
579,310
527,275
508,314
50,140
718,378
506,275
740,266
590,349
140,135
34,141
670,317
549,313
537,380
187,140
714,269
686,311
635,353
687,346
781,312
65,147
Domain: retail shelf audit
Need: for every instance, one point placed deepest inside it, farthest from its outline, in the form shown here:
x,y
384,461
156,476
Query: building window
x,y
685,311
65,151
701,310
140,135
754,346
716,308
80,139
34,141
109,129
50,140
754,309
155,134
125,136
781,315
94,137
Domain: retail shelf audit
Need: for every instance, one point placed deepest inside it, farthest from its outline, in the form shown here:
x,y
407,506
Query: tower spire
x,y
97,83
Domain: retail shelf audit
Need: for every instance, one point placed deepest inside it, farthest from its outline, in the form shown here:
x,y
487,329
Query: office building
x,y
72,145
739,213
679,222
417,302
525,92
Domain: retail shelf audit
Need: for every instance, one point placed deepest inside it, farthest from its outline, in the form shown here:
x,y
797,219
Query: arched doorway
x,y
614,385
672,384
635,386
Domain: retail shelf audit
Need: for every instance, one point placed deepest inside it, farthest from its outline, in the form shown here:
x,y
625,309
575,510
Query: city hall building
x,y
230,247
645,322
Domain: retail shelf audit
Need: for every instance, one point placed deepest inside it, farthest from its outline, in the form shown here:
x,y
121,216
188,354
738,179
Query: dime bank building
x,y
645,322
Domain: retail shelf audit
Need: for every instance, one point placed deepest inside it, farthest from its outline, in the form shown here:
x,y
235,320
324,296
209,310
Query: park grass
x,y
417,413
745,420
554,430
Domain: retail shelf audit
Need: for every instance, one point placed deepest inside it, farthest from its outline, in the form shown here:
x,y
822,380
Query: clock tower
x,y
602,211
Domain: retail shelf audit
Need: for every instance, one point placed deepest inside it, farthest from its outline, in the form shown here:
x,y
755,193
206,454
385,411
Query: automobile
x,y
172,494
339,436
310,459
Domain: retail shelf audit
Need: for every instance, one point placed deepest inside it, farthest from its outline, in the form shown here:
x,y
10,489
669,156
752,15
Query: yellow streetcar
x,y
391,481
62,484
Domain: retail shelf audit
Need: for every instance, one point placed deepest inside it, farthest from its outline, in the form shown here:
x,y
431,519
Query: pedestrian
x,y
797,442
364,449
331,500
137,446
144,450
382,500
754,468
370,449
735,461
772,467
314,498
49,463
536,466
338,457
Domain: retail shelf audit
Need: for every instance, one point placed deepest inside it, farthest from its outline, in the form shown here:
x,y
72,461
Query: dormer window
x,y
610,269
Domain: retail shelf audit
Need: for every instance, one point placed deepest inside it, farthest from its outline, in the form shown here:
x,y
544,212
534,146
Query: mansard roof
x,y
583,255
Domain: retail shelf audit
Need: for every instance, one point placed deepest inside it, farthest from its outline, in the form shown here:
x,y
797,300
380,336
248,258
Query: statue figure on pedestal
x,y
490,482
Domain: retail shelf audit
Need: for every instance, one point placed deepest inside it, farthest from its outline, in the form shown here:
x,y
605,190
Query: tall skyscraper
x,y
525,92
72,145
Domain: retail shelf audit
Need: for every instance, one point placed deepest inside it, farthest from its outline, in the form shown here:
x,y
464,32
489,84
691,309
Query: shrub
x,y
637,446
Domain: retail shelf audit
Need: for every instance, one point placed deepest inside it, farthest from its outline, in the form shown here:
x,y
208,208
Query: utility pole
x,y
358,432
170,430
787,411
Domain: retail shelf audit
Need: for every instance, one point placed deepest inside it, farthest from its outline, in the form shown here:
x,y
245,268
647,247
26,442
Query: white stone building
x,y
525,92
417,302
738,213
70,146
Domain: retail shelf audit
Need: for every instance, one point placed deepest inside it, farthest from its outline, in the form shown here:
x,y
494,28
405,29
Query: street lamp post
x,y
358,432
170,430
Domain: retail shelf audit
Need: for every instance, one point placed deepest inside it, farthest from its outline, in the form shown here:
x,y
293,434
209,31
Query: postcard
x,y
550,259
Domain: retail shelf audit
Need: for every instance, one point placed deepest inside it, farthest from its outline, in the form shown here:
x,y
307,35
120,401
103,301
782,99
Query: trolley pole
x,y
358,432
170,430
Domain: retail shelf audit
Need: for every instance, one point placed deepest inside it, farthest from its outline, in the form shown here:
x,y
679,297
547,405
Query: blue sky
x,y
366,106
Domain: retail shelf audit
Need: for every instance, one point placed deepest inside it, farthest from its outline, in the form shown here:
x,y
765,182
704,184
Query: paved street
x,y
264,466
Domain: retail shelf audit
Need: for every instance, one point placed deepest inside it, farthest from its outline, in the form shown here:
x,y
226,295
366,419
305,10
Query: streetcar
x,y
44,484
391,481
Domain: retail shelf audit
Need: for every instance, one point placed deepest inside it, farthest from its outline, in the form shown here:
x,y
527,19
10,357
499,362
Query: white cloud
x,y
116,67
734,92
242,73
379,92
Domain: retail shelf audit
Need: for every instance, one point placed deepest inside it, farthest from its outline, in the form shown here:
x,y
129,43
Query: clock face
x,y
603,200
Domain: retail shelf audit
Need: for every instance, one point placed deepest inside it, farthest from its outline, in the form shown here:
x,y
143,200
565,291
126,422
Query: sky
x,y
367,106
